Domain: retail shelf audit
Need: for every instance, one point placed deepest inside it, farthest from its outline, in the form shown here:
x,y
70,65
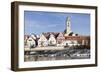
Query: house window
x,y
30,40
51,42
59,42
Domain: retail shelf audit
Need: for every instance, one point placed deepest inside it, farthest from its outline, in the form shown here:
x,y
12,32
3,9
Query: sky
x,y
37,22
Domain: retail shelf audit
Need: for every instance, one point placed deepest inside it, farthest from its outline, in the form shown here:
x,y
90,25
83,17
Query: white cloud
x,y
37,24
53,25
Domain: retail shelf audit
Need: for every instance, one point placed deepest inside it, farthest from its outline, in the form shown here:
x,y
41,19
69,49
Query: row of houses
x,y
54,39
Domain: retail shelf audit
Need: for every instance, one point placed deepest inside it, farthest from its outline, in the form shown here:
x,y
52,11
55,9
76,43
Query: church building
x,y
72,38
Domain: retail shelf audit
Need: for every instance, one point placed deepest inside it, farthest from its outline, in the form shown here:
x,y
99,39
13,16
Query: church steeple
x,y
68,25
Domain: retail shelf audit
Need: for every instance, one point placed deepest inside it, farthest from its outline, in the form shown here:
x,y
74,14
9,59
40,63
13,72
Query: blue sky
x,y
38,22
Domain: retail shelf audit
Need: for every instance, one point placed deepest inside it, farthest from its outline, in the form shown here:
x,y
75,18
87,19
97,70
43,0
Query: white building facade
x,y
52,40
42,42
31,43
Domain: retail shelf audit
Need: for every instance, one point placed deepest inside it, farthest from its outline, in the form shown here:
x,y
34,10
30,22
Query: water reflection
x,y
57,55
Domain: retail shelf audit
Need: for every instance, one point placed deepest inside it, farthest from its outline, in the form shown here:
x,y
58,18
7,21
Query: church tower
x,y
68,26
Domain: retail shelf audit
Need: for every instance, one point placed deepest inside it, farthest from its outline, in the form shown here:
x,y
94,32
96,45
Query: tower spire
x,y
68,25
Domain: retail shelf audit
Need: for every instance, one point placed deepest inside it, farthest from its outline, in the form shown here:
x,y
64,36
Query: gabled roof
x,y
47,35
60,36
26,36
34,35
